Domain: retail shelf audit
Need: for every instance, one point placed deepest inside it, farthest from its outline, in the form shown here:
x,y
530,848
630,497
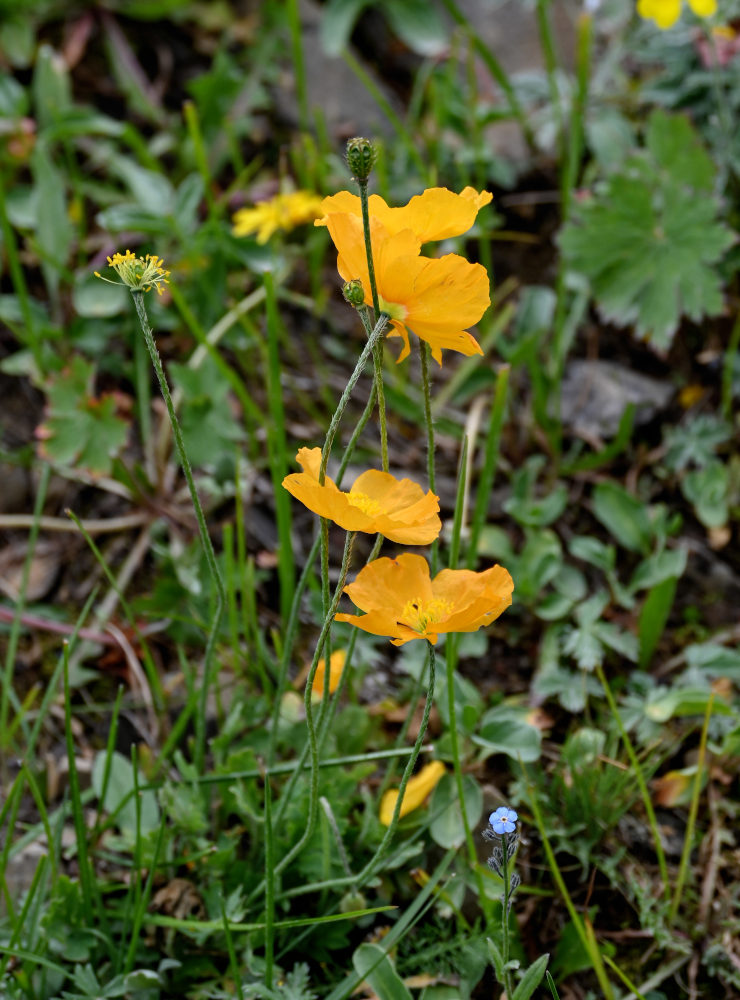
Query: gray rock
x,y
596,393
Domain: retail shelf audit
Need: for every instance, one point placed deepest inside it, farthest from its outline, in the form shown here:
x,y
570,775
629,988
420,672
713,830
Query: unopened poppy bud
x,y
354,293
361,156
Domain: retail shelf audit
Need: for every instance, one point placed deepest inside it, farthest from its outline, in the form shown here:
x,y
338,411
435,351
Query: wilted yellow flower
x,y
377,503
665,13
138,273
417,789
402,602
284,211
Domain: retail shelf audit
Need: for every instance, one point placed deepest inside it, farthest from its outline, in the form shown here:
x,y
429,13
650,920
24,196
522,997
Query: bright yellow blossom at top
x,y
284,211
137,273
402,602
378,503
417,789
435,298
437,214
665,13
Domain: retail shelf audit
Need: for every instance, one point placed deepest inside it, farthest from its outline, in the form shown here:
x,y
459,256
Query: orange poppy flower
x,y
436,214
434,298
377,503
417,789
402,602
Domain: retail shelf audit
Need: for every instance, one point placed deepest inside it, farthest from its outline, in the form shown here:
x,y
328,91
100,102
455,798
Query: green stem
x,y
353,379
640,778
299,65
429,420
505,931
200,720
379,389
494,68
382,850
308,705
693,809
490,463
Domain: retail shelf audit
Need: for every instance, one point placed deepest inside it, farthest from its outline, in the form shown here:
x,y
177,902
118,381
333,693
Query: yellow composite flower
x,y
377,503
284,211
140,274
417,789
402,602
437,214
336,666
665,13
435,298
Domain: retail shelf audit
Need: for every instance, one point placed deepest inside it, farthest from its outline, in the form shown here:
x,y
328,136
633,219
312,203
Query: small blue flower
x,y
503,820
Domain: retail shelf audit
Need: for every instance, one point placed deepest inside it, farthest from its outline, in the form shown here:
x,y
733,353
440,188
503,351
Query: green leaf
x,y
119,800
531,979
714,660
372,963
338,20
708,490
506,730
52,91
81,428
447,828
670,563
207,420
418,24
664,704
623,515
695,442
653,617
648,239
94,298
53,228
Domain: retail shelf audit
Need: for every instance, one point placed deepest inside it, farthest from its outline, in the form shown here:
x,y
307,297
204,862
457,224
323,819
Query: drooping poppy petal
x,y
377,503
417,789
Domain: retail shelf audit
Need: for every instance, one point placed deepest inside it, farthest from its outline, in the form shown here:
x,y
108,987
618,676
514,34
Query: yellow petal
x,y
417,789
336,667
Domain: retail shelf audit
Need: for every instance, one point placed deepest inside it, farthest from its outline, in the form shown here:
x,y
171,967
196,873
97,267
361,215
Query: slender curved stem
x,y
308,704
213,631
384,845
429,419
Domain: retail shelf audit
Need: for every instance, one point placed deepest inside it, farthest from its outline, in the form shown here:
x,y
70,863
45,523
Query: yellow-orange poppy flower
x,y
417,789
284,211
437,214
377,503
437,299
402,602
665,13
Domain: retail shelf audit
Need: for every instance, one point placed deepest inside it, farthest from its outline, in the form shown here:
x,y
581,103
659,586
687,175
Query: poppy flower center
x,y
418,614
364,503
396,310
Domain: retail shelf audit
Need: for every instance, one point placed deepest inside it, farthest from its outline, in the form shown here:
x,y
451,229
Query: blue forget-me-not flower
x,y
503,820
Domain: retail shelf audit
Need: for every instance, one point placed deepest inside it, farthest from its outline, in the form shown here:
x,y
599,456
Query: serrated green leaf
x,y
708,490
649,237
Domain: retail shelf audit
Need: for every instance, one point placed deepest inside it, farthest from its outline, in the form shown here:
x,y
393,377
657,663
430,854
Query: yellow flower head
x,y
284,211
336,666
665,13
402,602
417,789
436,214
137,273
377,503
434,298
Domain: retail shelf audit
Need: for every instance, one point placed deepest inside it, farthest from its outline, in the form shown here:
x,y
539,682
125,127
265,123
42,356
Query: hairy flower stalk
x,y
502,830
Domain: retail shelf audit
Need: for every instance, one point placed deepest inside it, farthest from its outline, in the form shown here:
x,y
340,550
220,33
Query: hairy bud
x,y
361,156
